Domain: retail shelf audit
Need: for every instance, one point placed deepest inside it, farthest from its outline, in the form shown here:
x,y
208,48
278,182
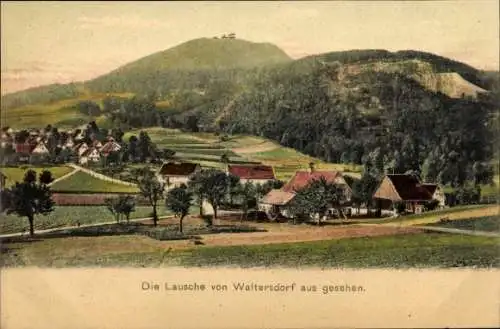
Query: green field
x,y
194,147
83,182
406,251
60,113
432,214
414,250
485,224
69,216
287,161
17,174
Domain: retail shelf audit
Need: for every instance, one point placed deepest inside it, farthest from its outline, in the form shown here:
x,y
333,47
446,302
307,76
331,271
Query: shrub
x,y
431,205
208,219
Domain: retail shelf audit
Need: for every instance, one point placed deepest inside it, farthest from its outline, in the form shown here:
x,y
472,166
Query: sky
x,y
58,42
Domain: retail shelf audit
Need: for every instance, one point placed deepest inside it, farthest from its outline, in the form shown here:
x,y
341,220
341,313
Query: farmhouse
x,y
407,189
303,178
437,193
174,174
275,202
257,174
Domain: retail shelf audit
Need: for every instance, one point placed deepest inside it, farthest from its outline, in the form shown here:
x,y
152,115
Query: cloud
x,y
125,21
36,73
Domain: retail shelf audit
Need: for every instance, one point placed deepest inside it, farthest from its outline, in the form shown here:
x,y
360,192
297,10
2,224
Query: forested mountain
x,y
392,111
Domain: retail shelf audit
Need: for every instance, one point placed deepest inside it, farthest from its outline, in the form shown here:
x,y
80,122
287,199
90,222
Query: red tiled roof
x,y
110,147
409,187
24,148
252,172
278,197
178,169
303,178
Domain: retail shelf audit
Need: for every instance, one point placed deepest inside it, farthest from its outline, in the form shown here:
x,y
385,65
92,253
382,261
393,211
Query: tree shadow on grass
x,y
165,232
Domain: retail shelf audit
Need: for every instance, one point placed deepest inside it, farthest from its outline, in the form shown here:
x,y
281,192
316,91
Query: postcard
x,y
316,164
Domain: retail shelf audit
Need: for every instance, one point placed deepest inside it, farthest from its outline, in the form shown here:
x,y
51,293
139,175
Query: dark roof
x,y
252,172
431,188
409,187
178,169
303,178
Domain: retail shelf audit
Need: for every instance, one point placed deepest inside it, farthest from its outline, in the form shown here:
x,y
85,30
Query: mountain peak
x,y
209,53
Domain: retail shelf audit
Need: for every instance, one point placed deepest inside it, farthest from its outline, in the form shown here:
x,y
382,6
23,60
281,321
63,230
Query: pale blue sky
x,y
47,42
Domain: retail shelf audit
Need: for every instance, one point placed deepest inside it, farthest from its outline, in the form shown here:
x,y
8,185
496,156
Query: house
x,y
90,155
257,174
109,147
23,150
80,148
97,144
40,149
437,193
69,143
408,190
5,139
173,174
304,178
275,202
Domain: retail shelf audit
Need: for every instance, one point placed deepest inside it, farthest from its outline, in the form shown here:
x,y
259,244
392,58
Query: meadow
x,y
83,182
70,216
16,174
401,251
62,113
485,224
207,148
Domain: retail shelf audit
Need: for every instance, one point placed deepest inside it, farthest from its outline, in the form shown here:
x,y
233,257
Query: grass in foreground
x,y
69,216
485,224
414,250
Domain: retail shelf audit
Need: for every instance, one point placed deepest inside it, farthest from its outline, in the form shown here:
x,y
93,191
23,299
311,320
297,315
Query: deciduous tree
x,y
30,197
179,201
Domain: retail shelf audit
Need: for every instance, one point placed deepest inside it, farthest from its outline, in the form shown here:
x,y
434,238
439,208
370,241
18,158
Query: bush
x,y
165,234
208,219
431,205
400,207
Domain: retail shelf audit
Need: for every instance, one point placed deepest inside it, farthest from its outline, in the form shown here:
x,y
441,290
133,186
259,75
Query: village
x,y
88,148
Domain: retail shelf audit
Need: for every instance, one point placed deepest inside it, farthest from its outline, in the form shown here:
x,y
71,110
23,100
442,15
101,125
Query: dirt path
x,y
472,213
291,234
460,231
